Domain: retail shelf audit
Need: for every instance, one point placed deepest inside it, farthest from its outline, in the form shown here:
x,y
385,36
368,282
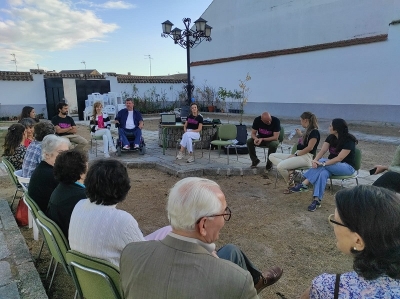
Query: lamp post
x,y
187,39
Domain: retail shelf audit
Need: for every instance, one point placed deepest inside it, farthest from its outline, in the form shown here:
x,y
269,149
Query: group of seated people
x,y
182,258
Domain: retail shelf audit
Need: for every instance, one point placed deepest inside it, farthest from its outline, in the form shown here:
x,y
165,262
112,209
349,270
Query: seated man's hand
x,y
116,121
141,125
380,169
257,141
73,130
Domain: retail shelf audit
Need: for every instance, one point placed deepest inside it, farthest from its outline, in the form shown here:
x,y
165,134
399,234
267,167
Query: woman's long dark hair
x,y
340,126
14,137
312,123
26,112
373,213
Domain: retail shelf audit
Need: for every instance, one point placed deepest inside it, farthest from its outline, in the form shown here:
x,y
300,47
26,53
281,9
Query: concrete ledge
x,y
18,275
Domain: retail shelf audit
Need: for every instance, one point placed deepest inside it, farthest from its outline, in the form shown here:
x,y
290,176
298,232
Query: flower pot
x,y
211,108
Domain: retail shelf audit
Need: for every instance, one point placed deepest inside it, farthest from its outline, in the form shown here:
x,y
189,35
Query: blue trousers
x,y
123,133
319,176
232,253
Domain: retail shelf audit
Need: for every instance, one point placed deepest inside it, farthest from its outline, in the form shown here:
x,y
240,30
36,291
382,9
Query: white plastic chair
x,y
87,113
110,110
24,183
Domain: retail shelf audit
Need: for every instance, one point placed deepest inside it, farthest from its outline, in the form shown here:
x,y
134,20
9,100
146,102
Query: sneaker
x,y
179,156
106,155
299,188
136,146
255,163
126,147
112,149
314,205
268,167
190,159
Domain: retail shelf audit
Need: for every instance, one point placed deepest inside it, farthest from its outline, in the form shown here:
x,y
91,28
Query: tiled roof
x,y
87,72
36,71
16,76
342,43
72,76
150,79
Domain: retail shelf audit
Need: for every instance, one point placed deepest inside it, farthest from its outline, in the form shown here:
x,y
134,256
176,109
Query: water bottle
x,y
292,133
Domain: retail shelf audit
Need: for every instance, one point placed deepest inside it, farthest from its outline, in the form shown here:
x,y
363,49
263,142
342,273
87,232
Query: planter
x,y
211,108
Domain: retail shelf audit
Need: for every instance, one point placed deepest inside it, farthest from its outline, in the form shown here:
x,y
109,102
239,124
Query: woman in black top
x,y
341,161
192,128
306,150
14,149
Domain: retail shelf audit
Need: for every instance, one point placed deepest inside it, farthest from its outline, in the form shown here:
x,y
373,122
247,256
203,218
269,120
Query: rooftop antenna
x,y
83,61
149,58
15,61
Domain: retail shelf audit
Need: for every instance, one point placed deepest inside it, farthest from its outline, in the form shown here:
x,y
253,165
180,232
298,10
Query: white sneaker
x,y
179,156
190,159
106,155
112,149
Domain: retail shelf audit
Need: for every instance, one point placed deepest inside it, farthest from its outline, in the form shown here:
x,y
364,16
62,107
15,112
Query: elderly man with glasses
x,y
185,263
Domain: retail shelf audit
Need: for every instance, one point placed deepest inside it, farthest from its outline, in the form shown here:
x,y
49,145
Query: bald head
x,y
266,118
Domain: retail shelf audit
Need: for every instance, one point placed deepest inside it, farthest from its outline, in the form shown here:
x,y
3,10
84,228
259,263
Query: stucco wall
x,y
14,95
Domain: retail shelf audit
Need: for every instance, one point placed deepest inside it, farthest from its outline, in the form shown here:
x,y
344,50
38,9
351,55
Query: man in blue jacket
x,y
130,122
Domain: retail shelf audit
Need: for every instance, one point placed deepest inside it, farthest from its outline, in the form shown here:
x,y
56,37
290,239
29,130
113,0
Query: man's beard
x,y
64,113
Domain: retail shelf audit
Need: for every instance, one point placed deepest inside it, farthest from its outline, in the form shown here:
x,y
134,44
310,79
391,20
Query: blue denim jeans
x,y
319,176
137,132
232,253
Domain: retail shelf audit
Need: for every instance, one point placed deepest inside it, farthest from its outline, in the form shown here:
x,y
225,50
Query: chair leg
x,y
228,154
276,177
52,277
15,196
48,270
331,185
265,156
209,153
40,251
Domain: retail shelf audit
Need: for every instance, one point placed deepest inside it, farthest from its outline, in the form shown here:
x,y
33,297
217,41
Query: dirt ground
x,y
270,227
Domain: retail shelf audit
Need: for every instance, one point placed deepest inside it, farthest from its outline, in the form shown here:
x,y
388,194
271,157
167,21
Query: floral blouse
x,y
18,157
354,286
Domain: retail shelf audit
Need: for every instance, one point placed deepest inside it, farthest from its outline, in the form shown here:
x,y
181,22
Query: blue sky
x,y
110,36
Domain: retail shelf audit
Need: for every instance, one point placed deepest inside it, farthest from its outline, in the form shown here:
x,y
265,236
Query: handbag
x,y
21,214
337,282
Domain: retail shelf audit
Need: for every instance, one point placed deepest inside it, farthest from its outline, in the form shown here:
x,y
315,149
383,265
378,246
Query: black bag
x,y
241,135
241,150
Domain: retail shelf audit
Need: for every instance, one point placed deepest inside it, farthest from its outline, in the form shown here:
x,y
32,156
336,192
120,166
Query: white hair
x,y
50,143
190,199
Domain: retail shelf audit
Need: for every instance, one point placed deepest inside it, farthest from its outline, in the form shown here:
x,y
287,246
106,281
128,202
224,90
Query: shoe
x,y
179,156
299,188
191,159
136,146
106,155
316,203
268,167
255,163
126,147
112,149
268,278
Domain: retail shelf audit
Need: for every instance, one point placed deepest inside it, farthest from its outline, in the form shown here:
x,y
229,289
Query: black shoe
x,y
255,163
268,166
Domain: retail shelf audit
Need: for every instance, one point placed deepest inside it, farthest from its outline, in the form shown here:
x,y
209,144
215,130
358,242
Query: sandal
x,y
292,176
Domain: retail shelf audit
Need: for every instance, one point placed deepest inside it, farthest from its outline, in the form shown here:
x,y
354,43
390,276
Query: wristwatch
x,y
323,163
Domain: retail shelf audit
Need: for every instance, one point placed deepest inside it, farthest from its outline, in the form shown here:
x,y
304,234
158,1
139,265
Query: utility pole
x,y
149,58
15,61
83,61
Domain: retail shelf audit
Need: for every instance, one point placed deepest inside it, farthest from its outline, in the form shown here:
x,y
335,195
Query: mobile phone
x,y
372,171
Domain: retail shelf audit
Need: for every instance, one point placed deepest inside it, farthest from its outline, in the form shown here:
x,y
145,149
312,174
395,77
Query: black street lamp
x,y
187,39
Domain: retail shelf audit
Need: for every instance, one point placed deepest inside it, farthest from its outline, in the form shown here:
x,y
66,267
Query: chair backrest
x,y
10,170
96,278
22,181
294,148
109,109
281,135
55,239
32,205
227,132
357,159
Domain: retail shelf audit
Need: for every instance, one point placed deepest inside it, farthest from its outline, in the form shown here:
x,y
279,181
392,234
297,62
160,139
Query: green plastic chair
x,y
280,140
357,167
10,170
56,241
95,278
34,210
226,133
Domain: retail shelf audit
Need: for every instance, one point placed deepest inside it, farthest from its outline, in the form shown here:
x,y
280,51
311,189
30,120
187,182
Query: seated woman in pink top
x,y
97,228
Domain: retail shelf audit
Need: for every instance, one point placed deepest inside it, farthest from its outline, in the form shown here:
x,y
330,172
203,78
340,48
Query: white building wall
x,y
14,95
70,95
357,82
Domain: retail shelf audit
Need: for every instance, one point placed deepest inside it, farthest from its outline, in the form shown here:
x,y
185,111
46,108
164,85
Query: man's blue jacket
x,y
123,115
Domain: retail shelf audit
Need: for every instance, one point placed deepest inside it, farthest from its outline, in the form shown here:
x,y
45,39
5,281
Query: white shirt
x,y
102,231
130,122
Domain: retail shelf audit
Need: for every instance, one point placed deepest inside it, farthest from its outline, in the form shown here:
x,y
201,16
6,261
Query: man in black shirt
x,y
264,132
65,127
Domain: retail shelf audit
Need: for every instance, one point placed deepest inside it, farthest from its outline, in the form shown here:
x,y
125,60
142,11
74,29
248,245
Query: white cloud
x,y
115,5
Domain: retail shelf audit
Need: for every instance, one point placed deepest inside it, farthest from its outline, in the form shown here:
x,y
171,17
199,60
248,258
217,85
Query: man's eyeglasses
x,y
227,215
331,219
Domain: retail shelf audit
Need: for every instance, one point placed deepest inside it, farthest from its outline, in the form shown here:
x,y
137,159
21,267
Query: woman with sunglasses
x,y
367,228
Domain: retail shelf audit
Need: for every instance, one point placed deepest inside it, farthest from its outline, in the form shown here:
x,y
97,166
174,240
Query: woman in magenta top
x,y
101,127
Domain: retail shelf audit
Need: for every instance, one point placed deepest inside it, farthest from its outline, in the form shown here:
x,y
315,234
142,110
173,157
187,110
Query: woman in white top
x,y
97,228
101,127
